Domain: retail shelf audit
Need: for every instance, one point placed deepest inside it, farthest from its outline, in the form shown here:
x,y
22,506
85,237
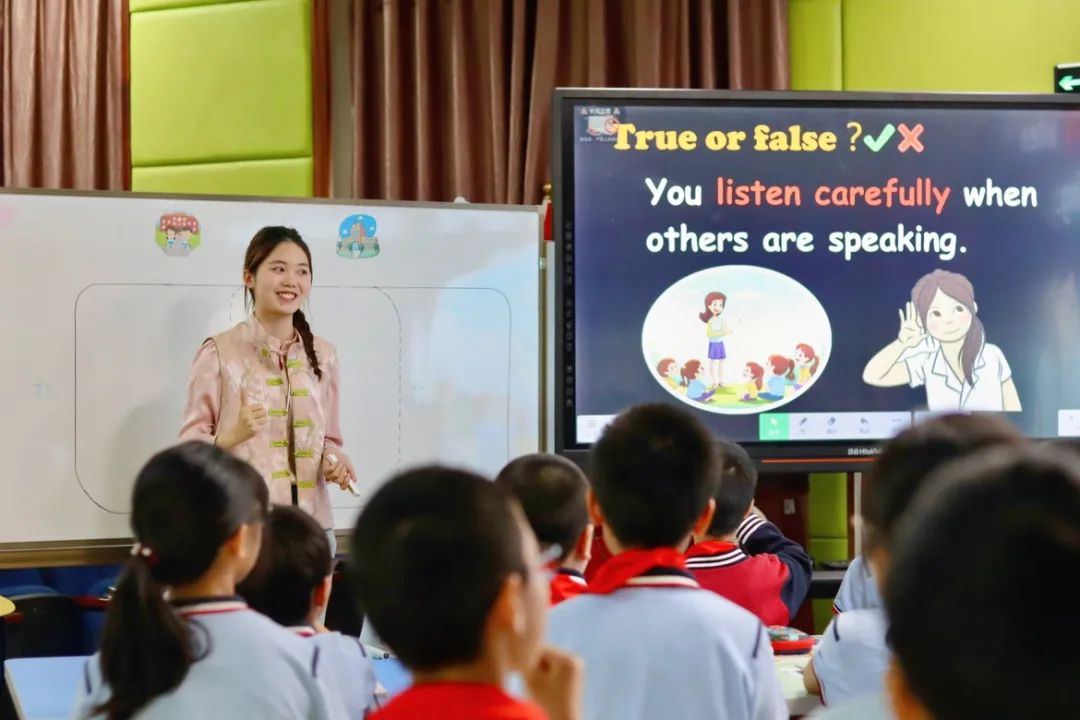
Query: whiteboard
x,y
438,336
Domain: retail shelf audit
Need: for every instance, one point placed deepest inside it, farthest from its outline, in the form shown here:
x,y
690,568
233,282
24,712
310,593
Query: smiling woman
x,y
267,389
942,345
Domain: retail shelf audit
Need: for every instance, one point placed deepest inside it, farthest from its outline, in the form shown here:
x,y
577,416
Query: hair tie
x,y
140,550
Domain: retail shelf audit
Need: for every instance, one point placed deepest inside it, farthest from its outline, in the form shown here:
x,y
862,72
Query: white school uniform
x,y
347,669
852,657
254,668
868,707
858,590
669,652
926,365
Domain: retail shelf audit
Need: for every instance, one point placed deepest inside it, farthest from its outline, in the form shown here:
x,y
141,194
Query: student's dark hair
x,y
430,552
654,470
260,247
295,559
907,460
187,501
551,490
1068,444
990,632
736,490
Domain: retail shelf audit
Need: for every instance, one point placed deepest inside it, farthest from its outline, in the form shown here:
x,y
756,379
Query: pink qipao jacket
x,y
303,410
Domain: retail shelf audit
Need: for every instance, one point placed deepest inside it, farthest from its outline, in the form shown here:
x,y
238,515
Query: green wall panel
x,y
275,178
815,40
221,82
958,45
135,6
932,45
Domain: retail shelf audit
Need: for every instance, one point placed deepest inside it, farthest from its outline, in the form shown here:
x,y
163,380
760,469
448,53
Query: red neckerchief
x,y
655,567
565,584
711,547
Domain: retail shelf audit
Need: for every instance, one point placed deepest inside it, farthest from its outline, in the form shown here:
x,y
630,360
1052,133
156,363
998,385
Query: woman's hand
x,y
911,328
250,421
337,468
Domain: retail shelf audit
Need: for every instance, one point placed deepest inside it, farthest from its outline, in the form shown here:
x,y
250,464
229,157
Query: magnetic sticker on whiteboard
x,y
356,237
178,234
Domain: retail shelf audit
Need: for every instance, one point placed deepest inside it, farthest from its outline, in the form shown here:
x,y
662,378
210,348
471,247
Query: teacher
x,y
267,389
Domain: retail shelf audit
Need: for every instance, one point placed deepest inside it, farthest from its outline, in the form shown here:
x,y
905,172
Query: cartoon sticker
x,y
356,237
736,339
178,234
941,345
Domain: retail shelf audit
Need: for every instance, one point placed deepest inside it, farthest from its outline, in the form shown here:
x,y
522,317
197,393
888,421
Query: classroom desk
x,y
789,668
45,688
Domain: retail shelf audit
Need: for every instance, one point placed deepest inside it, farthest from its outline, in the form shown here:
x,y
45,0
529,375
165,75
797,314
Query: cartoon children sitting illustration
x,y
666,369
752,376
691,373
783,375
806,364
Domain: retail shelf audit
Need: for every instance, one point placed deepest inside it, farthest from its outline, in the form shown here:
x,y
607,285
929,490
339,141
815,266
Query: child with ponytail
x,y
178,642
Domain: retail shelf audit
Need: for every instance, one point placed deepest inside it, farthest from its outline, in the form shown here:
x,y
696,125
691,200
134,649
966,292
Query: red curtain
x,y
63,94
452,97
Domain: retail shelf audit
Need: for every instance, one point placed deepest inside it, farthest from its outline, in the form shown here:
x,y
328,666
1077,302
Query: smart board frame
x,y
781,457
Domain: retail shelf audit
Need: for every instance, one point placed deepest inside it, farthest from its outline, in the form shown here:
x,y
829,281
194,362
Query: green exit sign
x,y
1067,78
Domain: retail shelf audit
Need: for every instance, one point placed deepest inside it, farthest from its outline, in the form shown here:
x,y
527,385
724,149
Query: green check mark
x,y
883,137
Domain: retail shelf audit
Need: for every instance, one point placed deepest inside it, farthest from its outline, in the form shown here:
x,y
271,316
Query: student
x,y
851,659
551,491
446,569
197,516
654,643
858,590
267,390
991,633
291,586
744,557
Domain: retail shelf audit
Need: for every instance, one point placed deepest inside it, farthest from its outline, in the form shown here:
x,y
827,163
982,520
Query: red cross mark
x,y
910,137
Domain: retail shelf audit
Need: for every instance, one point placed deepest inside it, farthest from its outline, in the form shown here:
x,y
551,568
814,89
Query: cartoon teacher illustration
x,y
942,346
715,330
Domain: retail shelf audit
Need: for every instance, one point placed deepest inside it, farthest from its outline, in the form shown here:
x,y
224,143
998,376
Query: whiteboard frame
x,y
114,550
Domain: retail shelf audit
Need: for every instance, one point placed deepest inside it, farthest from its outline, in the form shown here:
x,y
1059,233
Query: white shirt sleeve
x,y
916,368
1004,372
768,695
850,660
858,589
